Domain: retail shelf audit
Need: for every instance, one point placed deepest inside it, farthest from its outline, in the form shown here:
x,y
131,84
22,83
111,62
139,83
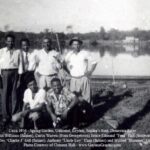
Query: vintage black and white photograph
x,y
75,74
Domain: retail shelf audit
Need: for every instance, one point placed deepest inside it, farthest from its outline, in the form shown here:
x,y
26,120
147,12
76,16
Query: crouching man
x,y
34,100
61,105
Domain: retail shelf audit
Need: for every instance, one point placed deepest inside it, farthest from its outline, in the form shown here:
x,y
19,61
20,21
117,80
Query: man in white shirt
x,y
28,55
34,100
78,61
10,66
48,61
29,63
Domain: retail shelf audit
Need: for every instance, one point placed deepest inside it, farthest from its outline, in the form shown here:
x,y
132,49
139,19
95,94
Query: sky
x,y
83,15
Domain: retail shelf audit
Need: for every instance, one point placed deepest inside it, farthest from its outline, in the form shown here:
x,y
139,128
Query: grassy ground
x,y
130,112
129,109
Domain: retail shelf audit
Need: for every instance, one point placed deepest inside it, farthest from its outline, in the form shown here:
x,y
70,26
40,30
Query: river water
x,y
129,62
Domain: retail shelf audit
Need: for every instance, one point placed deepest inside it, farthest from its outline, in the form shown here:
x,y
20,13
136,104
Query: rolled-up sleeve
x,y
42,96
26,96
1,59
91,59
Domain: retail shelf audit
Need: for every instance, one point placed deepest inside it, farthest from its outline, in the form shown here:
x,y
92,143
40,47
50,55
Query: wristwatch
x,y
68,108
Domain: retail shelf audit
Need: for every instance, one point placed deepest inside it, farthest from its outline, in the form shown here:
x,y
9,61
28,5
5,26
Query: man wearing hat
x,y
78,61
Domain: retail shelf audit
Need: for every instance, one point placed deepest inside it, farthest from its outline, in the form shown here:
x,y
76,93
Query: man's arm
x,y
20,68
89,73
18,116
38,108
40,102
20,63
73,102
37,60
64,66
49,109
27,110
58,59
1,60
90,60
65,61
71,105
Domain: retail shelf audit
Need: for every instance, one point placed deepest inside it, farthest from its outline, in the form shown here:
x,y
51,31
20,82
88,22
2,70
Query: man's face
x,y
25,46
47,44
56,85
33,86
76,45
10,42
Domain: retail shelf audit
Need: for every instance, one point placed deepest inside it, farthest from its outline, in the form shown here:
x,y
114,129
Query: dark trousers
x,y
9,96
23,87
43,122
73,117
80,113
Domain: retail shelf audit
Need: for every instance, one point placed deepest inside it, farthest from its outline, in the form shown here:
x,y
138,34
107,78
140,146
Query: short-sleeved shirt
x,y
47,63
39,98
11,59
62,102
77,63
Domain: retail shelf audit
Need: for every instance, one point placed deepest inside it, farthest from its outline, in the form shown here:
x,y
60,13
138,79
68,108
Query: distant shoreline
x,y
108,77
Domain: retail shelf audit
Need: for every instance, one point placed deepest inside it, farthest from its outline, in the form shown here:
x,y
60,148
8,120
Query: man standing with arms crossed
x,y
11,66
77,61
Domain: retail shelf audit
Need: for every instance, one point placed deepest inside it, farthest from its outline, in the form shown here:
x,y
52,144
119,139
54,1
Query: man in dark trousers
x,y
61,105
65,107
11,67
28,56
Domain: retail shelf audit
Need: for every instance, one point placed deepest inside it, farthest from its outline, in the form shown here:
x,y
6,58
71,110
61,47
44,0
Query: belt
x,y
12,69
28,71
51,75
78,77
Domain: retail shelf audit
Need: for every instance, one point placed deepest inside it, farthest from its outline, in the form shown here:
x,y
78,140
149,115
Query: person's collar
x,y
61,93
30,51
25,51
9,49
76,51
47,51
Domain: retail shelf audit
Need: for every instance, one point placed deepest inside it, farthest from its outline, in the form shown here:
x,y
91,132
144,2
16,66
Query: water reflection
x,y
134,50
126,60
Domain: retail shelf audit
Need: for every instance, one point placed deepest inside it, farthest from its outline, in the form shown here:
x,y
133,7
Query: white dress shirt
x,y
77,63
29,60
11,59
47,63
38,98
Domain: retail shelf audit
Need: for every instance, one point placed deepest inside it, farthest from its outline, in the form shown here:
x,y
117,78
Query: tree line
x,y
91,37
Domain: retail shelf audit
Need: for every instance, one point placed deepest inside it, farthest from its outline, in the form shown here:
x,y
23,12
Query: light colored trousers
x,y
44,81
81,85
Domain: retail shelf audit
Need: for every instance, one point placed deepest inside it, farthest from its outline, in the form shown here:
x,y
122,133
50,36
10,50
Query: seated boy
x,y
34,100
61,105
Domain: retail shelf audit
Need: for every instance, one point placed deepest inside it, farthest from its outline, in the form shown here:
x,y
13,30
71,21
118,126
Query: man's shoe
x,y
4,124
75,128
5,121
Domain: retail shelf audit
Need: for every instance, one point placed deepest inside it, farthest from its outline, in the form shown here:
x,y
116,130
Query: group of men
x,y
32,79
